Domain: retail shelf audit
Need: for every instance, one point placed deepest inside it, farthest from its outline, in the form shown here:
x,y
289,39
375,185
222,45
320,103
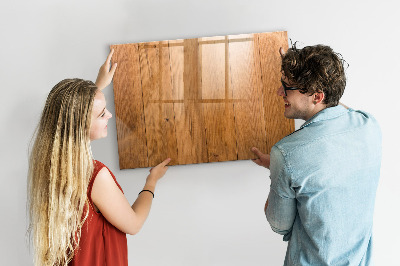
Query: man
x,y
325,174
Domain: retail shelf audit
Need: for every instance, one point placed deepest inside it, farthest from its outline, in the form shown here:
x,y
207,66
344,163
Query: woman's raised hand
x,y
106,74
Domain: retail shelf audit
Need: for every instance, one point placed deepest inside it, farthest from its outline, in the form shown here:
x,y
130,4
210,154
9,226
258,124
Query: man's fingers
x,y
257,161
256,152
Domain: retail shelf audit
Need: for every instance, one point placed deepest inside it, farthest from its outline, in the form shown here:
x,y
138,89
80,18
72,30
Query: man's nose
x,y
280,91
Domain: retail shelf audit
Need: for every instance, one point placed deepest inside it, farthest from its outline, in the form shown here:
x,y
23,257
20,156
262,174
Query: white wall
x,y
207,214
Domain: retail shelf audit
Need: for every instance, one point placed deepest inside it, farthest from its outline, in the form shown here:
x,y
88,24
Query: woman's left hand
x,y
106,74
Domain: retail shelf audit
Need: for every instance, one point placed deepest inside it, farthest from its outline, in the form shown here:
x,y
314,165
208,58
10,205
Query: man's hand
x,y
263,159
106,74
345,106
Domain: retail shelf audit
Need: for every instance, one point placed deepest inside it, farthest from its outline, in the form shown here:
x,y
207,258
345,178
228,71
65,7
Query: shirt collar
x,y
326,114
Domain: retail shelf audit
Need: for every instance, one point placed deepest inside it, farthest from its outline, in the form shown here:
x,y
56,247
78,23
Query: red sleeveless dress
x,y
101,243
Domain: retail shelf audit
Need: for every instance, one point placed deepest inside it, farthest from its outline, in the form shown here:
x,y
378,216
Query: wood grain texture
x,y
132,145
276,125
246,85
198,100
159,116
189,115
220,137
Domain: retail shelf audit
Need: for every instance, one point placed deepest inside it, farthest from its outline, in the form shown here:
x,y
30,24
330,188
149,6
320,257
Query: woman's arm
x,y
114,206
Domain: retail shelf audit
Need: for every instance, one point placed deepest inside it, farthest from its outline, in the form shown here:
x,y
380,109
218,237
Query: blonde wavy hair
x,y
60,167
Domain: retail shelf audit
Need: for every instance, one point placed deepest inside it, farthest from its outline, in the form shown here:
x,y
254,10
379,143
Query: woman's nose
x,y
109,114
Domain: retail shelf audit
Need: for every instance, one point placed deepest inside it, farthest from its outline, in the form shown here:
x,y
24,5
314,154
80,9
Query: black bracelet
x,y
148,191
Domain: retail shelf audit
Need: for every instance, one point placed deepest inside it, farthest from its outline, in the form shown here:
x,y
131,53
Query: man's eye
x,y
103,114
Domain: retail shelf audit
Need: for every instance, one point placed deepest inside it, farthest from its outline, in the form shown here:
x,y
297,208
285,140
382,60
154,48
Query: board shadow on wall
x,y
198,100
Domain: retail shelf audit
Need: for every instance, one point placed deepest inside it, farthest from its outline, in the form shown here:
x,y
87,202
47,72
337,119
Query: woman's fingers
x,y
108,60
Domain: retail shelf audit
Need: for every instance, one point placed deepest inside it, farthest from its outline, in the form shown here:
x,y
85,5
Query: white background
x,y
206,214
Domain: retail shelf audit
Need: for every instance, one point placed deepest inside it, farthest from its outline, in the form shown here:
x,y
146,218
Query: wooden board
x,y
198,100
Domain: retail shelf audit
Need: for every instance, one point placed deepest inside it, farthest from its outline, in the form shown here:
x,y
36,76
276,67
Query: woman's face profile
x,y
100,116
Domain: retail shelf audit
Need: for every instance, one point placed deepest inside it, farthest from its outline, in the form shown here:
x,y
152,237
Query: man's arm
x,y
280,208
262,160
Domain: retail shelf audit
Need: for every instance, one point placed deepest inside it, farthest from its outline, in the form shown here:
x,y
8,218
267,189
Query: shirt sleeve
x,y
281,210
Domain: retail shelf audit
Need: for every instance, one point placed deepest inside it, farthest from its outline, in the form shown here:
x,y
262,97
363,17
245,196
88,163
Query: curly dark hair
x,y
316,69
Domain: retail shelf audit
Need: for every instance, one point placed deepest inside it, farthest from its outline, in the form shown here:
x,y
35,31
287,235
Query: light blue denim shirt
x,y
323,183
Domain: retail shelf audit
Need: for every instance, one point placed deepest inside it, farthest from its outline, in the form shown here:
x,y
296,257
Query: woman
x,y
78,212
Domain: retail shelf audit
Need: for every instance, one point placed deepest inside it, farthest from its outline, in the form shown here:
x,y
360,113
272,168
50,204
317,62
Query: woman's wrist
x,y
150,184
147,190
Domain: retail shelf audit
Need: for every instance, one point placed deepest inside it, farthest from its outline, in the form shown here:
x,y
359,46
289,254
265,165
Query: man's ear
x,y
282,52
318,97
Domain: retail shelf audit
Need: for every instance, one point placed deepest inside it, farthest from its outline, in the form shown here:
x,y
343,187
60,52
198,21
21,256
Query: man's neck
x,y
318,108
